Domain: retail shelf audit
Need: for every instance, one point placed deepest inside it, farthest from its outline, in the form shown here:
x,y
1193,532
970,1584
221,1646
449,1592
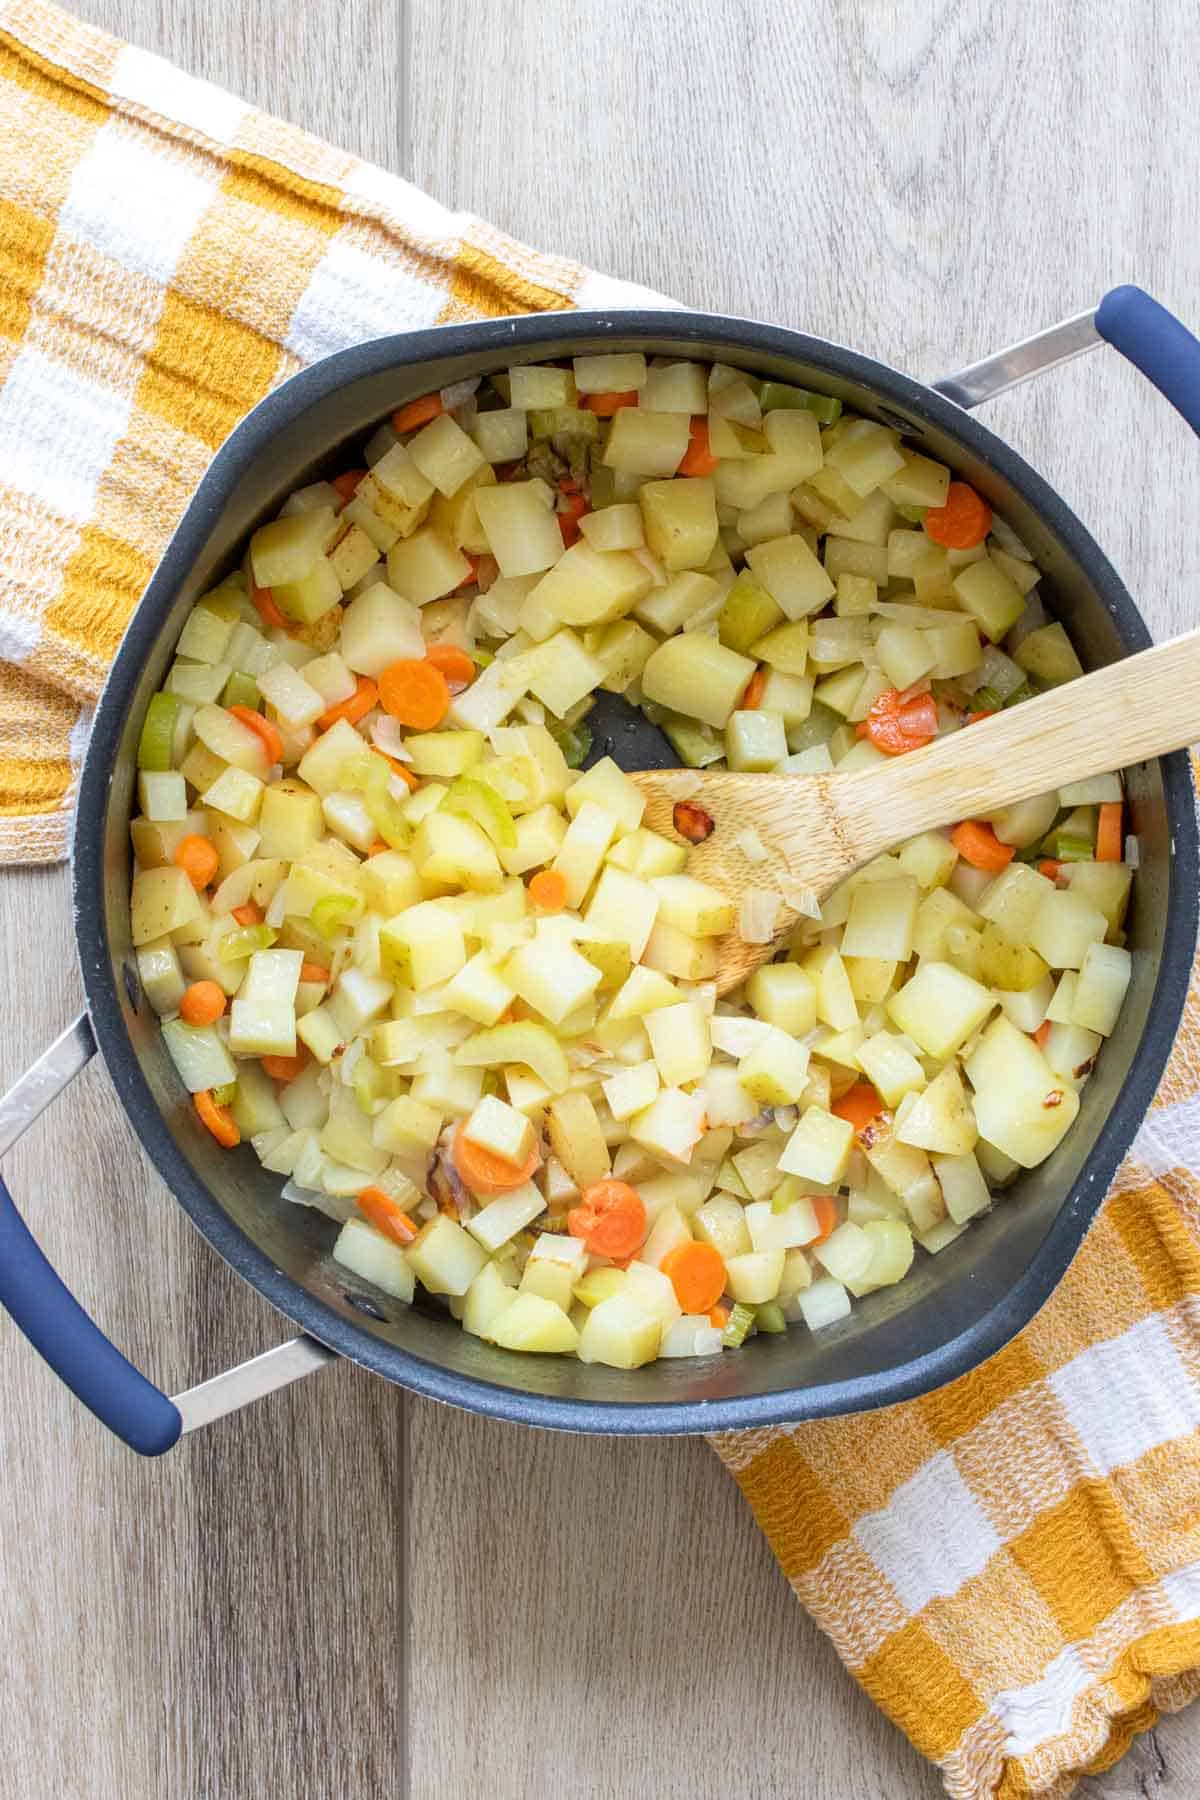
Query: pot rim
x,y
784,1406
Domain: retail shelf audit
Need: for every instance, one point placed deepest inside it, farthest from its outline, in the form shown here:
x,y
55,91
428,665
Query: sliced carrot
x,y
285,1068
454,663
605,405
719,1316
825,1207
752,697
1041,1034
1110,845
264,604
198,859
569,516
215,1119
248,914
202,1004
973,718
697,1273
360,703
417,412
568,485
963,521
378,848
486,1173
858,1106
398,768
978,844
311,971
415,693
698,459
1050,867
263,728
387,1215
548,890
610,1218
346,484
896,726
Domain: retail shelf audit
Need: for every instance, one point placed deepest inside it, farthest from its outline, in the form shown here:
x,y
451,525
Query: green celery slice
x,y
158,731
737,1328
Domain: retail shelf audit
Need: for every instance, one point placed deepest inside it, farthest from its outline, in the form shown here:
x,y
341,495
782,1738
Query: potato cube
x,y
620,1331
1013,899
618,373
321,767
679,1038
366,1252
680,521
819,1148
287,549
163,901
521,526
577,1139
991,597
425,566
444,1258
294,699
623,908
422,946
453,851
646,443
551,977
692,906
939,1119
697,676
581,853
940,1008
592,587
786,1227
1064,927
1021,1106
444,1084
755,1278
792,575
671,1126
633,1090
963,1187
930,859
390,882
612,789
882,919
785,995
721,1222
614,527
755,740
500,1128
1104,975
406,1125
886,1062
503,1217
378,628
836,1005
444,454
775,1072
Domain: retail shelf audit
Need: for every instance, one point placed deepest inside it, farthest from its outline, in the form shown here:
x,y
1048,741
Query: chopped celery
x,y
737,1328
564,421
158,731
914,514
776,394
245,941
986,699
241,690
364,774
769,1317
223,1096
478,801
482,658
1026,691
573,740
1065,846
371,776
330,914
387,818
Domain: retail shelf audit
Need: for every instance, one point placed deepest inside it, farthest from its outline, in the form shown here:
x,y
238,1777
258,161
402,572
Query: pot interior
x,y
951,1310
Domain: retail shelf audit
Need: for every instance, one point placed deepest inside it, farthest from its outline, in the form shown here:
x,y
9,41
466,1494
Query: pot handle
x,y
73,1345
1144,332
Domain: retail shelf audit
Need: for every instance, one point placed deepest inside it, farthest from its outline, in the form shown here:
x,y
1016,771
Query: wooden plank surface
x,y
583,1617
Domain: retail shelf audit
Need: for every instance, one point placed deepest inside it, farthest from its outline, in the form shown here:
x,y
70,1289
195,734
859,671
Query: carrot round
x,y
263,728
203,1003
398,768
285,1068
1041,1034
719,1316
364,697
978,844
1050,867
698,459
248,914
610,1218
215,1119
198,859
825,1207
752,696
569,516
387,1215
896,726
858,1105
345,485
963,521
312,971
548,890
1109,839
697,1273
455,664
417,412
605,405
414,693
264,604
486,1173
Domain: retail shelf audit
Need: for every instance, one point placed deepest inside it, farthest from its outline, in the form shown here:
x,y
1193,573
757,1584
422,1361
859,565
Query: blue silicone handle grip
x,y
76,1349
1155,342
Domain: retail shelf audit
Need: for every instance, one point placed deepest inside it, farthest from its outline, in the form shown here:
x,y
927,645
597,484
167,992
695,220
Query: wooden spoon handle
x,y
1142,706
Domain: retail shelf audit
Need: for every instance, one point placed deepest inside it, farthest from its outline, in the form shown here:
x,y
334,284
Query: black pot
x,y
944,1319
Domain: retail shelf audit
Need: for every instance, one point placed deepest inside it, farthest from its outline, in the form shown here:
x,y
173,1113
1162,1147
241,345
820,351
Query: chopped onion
x,y
686,783
1008,540
1133,855
387,736
751,845
801,899
786,1117
458,391
334,1208
758,916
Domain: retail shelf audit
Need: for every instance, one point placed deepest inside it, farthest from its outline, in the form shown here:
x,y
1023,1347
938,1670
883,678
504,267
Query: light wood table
x,y
341,1592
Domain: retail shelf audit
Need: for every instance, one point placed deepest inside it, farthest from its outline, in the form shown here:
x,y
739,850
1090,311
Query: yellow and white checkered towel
x,y
1011,1567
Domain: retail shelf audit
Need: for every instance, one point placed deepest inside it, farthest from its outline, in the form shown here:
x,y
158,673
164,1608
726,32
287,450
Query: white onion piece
x,y
751,845
387,736
1008,540
801,899
758,916
458,391
685,785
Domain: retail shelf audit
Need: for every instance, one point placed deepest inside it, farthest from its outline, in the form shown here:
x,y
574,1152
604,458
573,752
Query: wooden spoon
x,y
817,828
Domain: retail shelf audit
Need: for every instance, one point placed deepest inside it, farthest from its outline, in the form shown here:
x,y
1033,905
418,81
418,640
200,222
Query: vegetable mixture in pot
x,y
453,992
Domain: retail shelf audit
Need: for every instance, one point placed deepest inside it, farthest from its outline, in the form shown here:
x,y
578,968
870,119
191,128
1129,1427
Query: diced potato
x,y
1049,655
671,1126
1071,1051
1104,975
201,1059
632,1091
614,527
444,454
792,575
591,587
423,945
892,1068
451,850
531,1323
680,387
522,529
692,906
785,995
836,1005
679,1038
721,1222
930,859
1021,1106
680,521
940,1008
775,1072
620,1331
846,1254
824,1303
939,1119
1063,928
560,672
163,901
755,740
379,627
366,1252
500,1128
819,1148
295,700
1013,899
444,1258
697,676
1104,885
488,1295
287,549
405,1125
755,1278
882,919
646,443
425,566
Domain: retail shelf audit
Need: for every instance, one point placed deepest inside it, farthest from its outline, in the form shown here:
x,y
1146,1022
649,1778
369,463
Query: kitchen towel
x,y
1011,1566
